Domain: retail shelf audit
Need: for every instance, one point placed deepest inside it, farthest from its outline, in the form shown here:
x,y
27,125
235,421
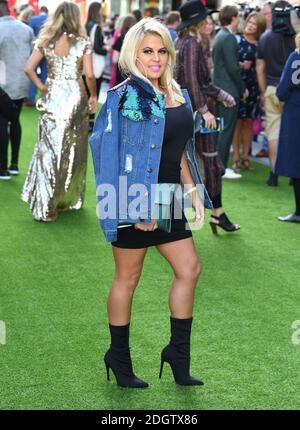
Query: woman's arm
x,y
91,81
30,67
115,56
190,189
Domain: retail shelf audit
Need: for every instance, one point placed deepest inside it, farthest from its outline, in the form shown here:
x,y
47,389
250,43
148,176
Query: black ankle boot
x,y
273,180
177,353
118,359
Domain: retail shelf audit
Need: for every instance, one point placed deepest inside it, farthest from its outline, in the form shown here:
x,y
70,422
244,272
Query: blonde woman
x,y
56,176
144,136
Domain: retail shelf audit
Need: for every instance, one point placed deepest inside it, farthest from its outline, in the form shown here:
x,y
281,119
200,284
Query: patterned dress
x,y
56,176
247,51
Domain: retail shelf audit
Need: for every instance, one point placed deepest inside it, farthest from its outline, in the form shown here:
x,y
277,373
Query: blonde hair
x,y
194,30
297,42
66,19
131,44
26,14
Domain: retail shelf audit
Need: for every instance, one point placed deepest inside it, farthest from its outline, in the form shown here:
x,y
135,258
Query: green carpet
x,y
54,279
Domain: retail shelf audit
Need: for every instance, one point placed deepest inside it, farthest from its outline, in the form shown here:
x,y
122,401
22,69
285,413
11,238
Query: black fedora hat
x,y
191,13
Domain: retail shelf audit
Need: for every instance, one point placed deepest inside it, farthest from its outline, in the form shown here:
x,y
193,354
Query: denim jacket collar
x,y
143,84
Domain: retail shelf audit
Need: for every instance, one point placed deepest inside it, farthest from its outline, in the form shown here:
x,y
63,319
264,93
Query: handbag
x,y
8,109
98,60
257,126
162,208
199,124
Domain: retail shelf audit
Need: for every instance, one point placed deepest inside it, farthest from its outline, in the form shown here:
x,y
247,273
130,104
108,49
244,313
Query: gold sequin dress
x,y
56,176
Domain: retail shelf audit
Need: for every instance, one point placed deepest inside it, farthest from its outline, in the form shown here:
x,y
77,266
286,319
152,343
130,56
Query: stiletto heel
x,y
121,367
177,352
107,370
223,222
161,367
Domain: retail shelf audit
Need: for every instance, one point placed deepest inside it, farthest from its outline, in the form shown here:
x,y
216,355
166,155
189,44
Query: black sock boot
x,y
177,353
273,180
118,359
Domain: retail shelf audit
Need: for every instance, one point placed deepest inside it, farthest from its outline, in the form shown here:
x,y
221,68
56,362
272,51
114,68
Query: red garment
x,y
113,76
11,4
35,6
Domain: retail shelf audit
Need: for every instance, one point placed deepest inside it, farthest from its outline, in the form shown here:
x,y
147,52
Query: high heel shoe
x,y
179,365
118,359
177,352
122,368
223,222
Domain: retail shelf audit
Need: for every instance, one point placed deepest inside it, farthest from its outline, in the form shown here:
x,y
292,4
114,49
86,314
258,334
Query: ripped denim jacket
x,y
126,147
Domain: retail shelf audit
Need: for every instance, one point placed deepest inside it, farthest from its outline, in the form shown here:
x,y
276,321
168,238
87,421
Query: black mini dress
x,y
178,128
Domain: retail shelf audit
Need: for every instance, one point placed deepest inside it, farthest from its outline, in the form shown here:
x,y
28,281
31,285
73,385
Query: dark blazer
x,y
227,72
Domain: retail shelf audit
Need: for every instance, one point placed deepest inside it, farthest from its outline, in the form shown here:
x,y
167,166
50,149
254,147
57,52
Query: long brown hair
x,y
127,23
94,12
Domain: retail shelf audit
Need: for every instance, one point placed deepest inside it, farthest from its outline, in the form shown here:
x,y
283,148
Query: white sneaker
x,y
230,174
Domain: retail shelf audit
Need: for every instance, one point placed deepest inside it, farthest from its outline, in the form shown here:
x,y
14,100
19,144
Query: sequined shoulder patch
x,y
138,105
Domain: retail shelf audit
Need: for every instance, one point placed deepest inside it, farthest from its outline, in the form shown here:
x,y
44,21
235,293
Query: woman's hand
x,y
229,102
246,65
198,206
93,104
146,227
43,88
210,120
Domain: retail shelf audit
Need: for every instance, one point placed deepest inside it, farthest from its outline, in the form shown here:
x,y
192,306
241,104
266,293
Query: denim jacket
x,y
126,144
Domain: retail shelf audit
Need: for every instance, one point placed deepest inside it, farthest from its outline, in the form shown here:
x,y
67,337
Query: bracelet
x,y
190,191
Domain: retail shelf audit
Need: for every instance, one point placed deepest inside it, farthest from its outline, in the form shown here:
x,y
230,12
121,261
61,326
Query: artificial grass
x,y
54,279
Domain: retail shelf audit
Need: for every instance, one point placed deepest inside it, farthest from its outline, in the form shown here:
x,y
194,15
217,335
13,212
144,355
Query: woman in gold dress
x,y
56,177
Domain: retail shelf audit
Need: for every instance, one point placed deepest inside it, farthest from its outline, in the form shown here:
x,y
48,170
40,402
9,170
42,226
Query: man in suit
x,y
36,23
227,75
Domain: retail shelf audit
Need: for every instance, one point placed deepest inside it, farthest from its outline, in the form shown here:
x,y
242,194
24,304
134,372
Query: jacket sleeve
x,y
104,144
231,59
290,76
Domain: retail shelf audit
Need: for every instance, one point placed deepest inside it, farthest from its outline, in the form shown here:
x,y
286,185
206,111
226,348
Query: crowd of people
x,y
251,80
185,88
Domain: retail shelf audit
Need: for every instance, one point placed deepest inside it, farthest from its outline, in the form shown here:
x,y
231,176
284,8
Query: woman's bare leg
x,y
236,141
246,136
128,269
185,263
186,266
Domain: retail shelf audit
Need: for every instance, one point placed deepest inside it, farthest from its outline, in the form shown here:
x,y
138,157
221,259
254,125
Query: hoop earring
x,y
168,84
137,59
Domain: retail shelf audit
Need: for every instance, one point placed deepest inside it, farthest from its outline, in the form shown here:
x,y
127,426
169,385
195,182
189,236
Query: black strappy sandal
x,y
223,222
